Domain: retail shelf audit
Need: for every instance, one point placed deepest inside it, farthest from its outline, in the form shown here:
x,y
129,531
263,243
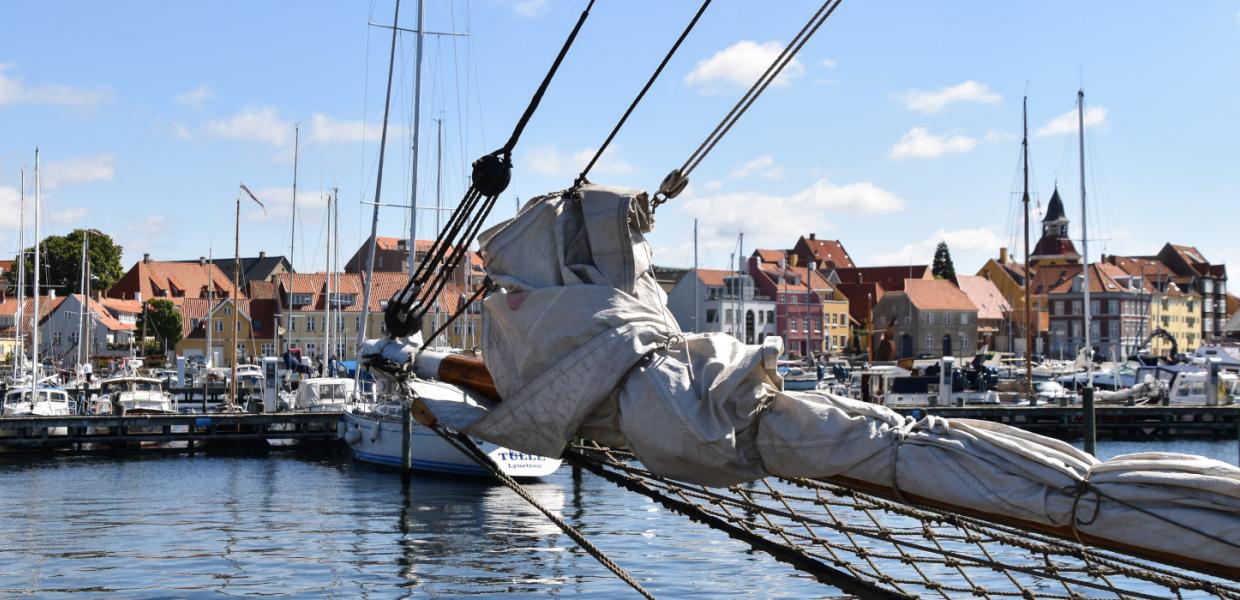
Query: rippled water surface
x,y
312,524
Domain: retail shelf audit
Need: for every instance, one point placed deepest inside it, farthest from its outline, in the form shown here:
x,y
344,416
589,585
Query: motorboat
x,y
797,376
325,394
40,402
934,384
373,430
133,396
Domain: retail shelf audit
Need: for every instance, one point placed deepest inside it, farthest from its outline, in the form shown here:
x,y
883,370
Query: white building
x,y
723,301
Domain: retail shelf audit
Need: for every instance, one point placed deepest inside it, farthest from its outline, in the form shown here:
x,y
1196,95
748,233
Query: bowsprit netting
x,y
872,547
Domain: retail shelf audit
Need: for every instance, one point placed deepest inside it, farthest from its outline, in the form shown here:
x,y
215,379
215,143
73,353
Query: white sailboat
x,y
375,431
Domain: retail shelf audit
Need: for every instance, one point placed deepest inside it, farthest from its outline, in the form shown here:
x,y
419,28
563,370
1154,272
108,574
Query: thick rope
x,y
469,448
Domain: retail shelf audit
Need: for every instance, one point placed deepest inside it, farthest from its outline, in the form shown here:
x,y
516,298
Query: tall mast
x,y
417,124
438,174
327,284
34,329
20,355
697,278
83,327
236,306
210,312
1024,145
335,273
292,238
1087,399
374,219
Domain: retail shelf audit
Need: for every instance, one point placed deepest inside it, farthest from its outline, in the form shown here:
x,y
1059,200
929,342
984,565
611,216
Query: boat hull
x,y
378,441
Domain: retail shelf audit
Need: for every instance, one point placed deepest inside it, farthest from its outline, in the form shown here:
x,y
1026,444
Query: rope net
x,y
876,548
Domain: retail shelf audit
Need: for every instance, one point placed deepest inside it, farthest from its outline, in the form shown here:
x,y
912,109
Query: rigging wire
x,y
641,94
676,181
491,175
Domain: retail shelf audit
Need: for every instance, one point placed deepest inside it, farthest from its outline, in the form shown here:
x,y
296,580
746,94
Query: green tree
x,y
61,262
160,322
943,267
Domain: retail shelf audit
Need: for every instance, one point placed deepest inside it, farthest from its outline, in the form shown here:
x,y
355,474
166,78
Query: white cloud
x,y
197,97
547,160
78,170
529,8
995,136
967,247
764,166
263,124
807,210
10,207
920,143
181,131
934,101
713,184
1095,116
151,225
326,130
14,90
829,63
741,64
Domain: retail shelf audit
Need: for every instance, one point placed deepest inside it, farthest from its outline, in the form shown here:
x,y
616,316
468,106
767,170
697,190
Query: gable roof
x,y
892,278
861,297
827,253
157,279
386,284
936,294
769,256
983,293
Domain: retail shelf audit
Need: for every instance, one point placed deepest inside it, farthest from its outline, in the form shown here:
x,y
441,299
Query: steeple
x,y
1055,223
1055,247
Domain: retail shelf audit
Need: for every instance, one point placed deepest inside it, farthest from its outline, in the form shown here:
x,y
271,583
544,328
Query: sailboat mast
x,y
34,328
82,320
417,127
1087,398
19,357
327,284
236,307
292,239
336,270
1024,144
697,278
374,219
438,174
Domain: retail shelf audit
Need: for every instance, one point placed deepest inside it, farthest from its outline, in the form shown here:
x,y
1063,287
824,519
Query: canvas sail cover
x,y
580,343
320,391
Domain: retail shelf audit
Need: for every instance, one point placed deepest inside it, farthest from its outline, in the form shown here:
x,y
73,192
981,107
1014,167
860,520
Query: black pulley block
x,y
492,173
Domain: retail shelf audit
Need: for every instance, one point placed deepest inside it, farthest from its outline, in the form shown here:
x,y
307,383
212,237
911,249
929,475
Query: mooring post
x,y
406,452
1091,428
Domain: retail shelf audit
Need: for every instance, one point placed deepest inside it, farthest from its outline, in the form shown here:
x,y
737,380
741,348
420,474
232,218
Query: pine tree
x,y
943,268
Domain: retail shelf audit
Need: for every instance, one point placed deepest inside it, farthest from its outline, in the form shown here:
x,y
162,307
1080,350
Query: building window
x,y
1076,307
712,315
219,326
268,350
1058,308
256,325
309,323
929,343
964,318
929,318
770,316
1114,329
727,315
1076,329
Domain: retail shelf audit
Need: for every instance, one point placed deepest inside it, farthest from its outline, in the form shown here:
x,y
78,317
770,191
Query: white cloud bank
x,y
920,143
548,160
1095,116
740,65
84,169
934,101
267,125
14,90
764,166
197,97
968,247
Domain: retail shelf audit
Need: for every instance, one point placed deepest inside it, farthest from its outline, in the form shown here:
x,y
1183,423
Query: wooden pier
x,y
1113,422
186,433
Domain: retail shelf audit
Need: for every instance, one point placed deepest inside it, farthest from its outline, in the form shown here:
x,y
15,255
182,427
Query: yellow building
x,y
1177,313
835,321
254,332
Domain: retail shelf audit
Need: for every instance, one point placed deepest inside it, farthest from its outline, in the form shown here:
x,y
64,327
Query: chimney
x,y
202,261
813,236
262,254
1003,256
146,257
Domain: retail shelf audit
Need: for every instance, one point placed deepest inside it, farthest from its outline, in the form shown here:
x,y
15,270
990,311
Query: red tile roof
x,y
891,278
1055,246
156,279
829,253
936,294
985,296
770,256
385,286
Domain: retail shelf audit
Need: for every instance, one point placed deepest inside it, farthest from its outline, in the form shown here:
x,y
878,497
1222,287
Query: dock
x,y
185,433
1113,422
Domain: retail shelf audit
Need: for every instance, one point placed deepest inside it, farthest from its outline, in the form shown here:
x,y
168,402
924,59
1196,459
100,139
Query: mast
x,y
1087,399
740,297
292,237
83,326
374,219
1024,145
439,206
417,123
236,307
327,284
34,328
207,364
19,357
335,272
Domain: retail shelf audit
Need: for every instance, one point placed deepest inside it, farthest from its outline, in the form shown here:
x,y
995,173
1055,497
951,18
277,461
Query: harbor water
x,y
315,524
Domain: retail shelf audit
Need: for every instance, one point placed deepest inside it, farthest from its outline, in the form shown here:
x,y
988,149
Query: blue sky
x,y
898,125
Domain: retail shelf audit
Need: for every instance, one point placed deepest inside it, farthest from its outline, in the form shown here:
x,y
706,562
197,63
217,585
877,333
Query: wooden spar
x,y
1028,273
472,373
